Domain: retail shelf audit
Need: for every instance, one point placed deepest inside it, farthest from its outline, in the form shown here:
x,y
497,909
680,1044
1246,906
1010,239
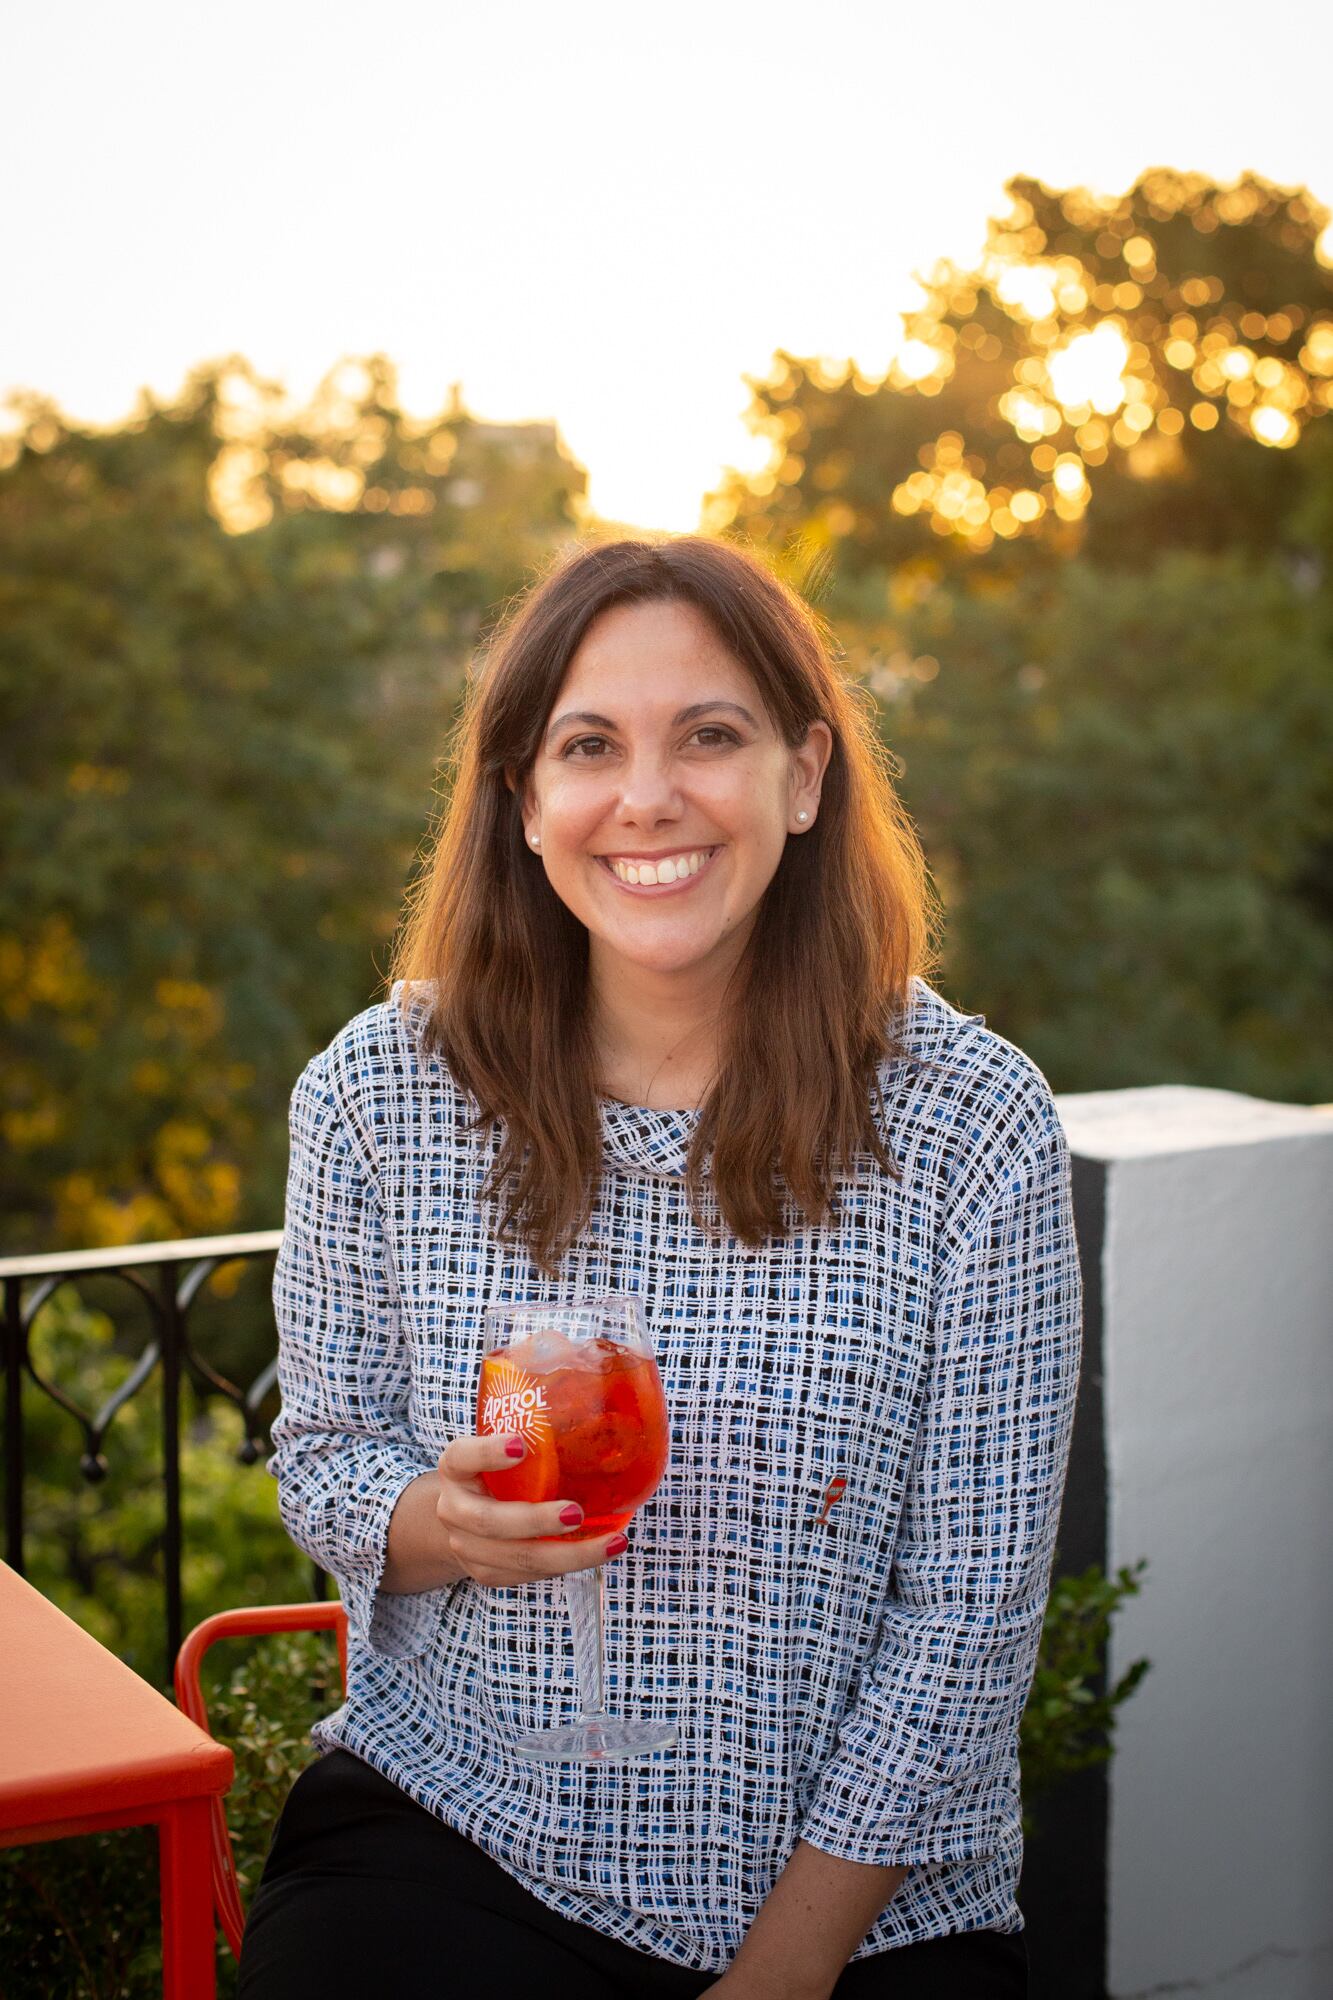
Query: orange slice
x,y
536,1476
511,1403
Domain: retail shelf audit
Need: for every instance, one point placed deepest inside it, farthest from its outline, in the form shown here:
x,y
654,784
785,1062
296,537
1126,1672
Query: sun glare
x,y
1088,372
1273,426
916,359
1030,287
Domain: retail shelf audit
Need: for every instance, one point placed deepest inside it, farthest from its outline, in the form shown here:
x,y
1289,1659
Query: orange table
x,y
86,1744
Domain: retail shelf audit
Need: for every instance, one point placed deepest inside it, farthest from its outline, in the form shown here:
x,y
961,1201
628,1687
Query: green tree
x,y
1080,541
231,638
1124,787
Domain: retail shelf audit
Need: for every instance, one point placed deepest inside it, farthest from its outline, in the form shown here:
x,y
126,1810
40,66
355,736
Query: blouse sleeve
x,y
923,1771
343,1452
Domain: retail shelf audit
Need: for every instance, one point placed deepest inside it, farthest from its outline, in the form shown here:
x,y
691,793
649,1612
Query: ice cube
x,y
542,1351
596,1355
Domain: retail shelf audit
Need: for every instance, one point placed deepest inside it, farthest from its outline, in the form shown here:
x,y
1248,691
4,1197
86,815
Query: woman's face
x,y
660,760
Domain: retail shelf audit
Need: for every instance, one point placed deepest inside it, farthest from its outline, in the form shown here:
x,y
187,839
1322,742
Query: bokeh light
x,y
1088,371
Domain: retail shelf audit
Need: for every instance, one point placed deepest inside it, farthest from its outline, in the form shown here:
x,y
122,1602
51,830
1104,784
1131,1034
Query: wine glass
x,y
579,1384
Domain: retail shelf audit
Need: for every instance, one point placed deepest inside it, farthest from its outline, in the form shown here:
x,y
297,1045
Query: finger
x,y
475,1511
464,1457
520,1562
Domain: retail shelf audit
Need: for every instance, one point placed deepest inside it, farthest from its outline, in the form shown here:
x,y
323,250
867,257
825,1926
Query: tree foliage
x,y
1118,375
231,639
1124,788
1080,541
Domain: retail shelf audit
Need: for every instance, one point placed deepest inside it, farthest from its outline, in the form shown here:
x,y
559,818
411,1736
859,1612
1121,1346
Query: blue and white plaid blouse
x,y
838,1588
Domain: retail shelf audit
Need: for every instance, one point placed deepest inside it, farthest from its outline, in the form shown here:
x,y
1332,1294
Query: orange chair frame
x,y
248,1622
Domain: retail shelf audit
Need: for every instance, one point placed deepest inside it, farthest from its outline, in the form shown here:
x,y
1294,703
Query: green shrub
x,y
264,1706
1068,1722
79,1919
97,1548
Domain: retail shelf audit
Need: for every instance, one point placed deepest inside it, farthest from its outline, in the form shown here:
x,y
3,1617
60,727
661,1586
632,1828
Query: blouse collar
x,y
644,1140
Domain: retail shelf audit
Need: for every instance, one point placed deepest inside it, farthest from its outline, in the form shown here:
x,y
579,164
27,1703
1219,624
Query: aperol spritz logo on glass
x,y
513,1401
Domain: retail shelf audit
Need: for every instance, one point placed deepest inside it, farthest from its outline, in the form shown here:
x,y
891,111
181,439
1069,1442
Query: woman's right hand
x,y
494,1539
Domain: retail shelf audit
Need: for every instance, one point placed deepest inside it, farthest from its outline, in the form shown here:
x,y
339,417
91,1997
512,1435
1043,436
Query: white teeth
x,y
672,868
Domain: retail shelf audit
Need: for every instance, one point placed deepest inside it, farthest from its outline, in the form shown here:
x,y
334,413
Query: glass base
x,y
597,1739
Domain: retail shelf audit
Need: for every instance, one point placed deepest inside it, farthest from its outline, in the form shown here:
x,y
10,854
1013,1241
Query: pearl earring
x,y
802,817
536,839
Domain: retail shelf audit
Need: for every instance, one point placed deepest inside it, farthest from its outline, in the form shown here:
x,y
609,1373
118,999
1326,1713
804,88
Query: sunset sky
x,y
601,214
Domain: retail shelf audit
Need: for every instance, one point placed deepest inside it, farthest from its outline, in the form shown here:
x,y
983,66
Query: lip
x,y
660,853
664,854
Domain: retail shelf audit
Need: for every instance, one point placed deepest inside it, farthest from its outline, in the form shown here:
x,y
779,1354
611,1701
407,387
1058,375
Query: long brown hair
x,y
847,920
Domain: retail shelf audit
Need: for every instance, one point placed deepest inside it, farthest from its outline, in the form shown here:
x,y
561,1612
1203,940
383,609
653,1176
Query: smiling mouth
x,y
648,878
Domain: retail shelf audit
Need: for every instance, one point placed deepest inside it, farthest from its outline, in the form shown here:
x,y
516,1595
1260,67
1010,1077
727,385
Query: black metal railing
x,y
167,1278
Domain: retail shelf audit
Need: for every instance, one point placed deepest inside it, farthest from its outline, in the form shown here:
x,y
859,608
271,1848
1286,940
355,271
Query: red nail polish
x,y
616,1544
571,1515
514,1448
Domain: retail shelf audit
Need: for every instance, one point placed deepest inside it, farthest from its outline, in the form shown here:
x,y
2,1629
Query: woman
x,y
659,1024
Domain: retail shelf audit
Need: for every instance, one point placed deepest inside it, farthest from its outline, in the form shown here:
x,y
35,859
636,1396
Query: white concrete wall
x,y
1217,1292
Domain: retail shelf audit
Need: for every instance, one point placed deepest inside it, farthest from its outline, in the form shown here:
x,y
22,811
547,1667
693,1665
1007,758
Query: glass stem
x,y
583,1600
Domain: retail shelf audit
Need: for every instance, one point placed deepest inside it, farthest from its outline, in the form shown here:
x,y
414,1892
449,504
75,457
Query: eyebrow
x,y
690,714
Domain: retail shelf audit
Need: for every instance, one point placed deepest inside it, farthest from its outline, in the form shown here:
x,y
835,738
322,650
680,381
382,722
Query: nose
x,y
649,792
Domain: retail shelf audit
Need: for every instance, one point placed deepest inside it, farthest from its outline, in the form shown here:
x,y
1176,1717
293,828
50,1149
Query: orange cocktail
x,y
578,1383
594,1420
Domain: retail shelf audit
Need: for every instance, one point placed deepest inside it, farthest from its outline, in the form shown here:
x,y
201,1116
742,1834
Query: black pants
x,y
367,1895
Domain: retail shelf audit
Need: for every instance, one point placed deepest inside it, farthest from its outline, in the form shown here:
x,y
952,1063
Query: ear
x,y
525,801
809,761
